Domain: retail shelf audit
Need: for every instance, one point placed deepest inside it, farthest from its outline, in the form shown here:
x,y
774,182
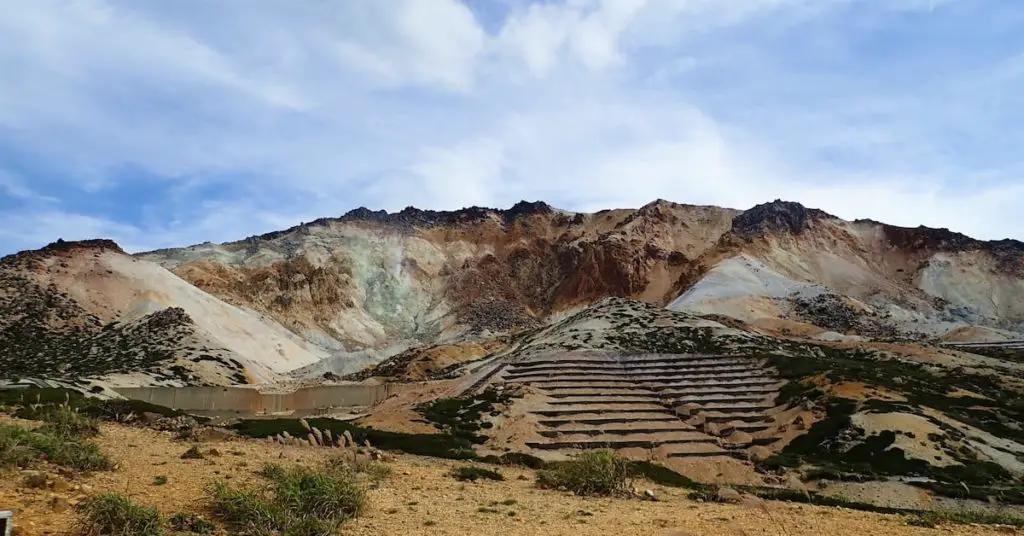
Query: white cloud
x,y
172,123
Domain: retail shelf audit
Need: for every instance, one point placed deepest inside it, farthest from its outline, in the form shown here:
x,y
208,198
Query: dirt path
x,y
421,499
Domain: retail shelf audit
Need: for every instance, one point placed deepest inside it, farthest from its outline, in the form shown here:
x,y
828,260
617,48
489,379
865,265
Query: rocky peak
x,y
1007,252
778,215
414,217
526,208
64,247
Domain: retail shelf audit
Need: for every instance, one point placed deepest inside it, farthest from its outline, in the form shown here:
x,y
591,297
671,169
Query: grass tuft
x,y
934,518
21,447
296,501
591,473
115,514
61,420
190,523
468,473
193,453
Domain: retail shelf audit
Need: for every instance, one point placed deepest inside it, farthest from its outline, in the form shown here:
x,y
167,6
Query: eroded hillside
x,y
373,280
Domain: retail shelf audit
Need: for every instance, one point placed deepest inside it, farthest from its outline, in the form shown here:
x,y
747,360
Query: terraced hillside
x,y
682,405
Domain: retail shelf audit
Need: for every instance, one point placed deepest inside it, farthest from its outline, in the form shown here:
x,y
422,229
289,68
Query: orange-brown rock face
x,y
373,279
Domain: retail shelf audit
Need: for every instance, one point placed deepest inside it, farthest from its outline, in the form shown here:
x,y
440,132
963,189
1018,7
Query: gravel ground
x,y
421,499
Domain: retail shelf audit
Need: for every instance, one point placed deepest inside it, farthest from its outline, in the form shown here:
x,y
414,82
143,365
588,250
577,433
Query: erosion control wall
x,y
250,400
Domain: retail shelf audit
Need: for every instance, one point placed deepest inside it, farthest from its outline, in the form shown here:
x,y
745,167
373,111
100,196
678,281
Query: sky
x,y
163,124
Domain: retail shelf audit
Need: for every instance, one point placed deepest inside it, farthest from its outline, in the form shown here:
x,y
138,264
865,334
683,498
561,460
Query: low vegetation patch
x,y
934,518
118,515
295,500
462,417
591,473
193,453
468,473
21,447
517,459
190,523
434,445
61,419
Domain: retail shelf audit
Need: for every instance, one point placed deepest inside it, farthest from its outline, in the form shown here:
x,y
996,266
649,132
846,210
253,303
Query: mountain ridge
x,y
370,284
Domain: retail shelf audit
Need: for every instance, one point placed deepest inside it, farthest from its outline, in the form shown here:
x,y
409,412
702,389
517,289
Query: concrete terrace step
x,y
715,399
599,407
578,386
735,408
587,392
643,378
601,431
721,391
603,420
730,382
725,417
679,436
597,412
616,443
675,371
592,400
667,358
638,366
672,425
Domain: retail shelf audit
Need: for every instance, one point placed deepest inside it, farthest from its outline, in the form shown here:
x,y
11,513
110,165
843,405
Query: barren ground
x,y
421,499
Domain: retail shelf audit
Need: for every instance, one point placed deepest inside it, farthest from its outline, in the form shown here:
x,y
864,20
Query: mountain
x,y
86,309
373,280
339,294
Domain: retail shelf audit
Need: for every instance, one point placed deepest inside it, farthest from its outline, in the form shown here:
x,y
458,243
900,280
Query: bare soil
x,y
420,498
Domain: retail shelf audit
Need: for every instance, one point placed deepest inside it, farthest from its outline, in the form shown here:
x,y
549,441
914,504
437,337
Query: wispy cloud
x,y
163,124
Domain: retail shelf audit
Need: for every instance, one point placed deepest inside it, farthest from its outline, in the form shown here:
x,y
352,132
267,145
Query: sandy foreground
x,y
420,498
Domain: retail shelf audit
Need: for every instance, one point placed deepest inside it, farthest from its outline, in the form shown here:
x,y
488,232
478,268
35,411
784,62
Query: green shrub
x,y
159,480
296,501
435,445
934,518
247,511
191,523
591,473
21,447
36,481
61,420
468,473
374,470
193,453
115,514
515,459
317,494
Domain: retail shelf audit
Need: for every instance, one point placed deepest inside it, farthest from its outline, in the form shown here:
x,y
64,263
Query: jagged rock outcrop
x,y
778,215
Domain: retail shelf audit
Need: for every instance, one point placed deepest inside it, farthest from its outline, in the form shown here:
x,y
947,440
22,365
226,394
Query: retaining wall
x,y
253,401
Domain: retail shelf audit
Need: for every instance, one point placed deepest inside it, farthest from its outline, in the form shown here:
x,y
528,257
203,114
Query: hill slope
x,y
372,279
368,285
86,308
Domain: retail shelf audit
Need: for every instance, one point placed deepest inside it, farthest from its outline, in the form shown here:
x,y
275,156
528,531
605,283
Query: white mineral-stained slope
x,y
136,287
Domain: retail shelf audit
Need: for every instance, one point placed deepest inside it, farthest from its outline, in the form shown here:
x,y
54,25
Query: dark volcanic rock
x,y
497,315
62,247
785,216
1009,254
411,217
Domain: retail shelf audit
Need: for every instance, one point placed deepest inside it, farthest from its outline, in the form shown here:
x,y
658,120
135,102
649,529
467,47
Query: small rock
x,y
59,504
729,495
60,486
649,495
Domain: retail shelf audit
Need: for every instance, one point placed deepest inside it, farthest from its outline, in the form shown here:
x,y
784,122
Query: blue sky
x,y
161,124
